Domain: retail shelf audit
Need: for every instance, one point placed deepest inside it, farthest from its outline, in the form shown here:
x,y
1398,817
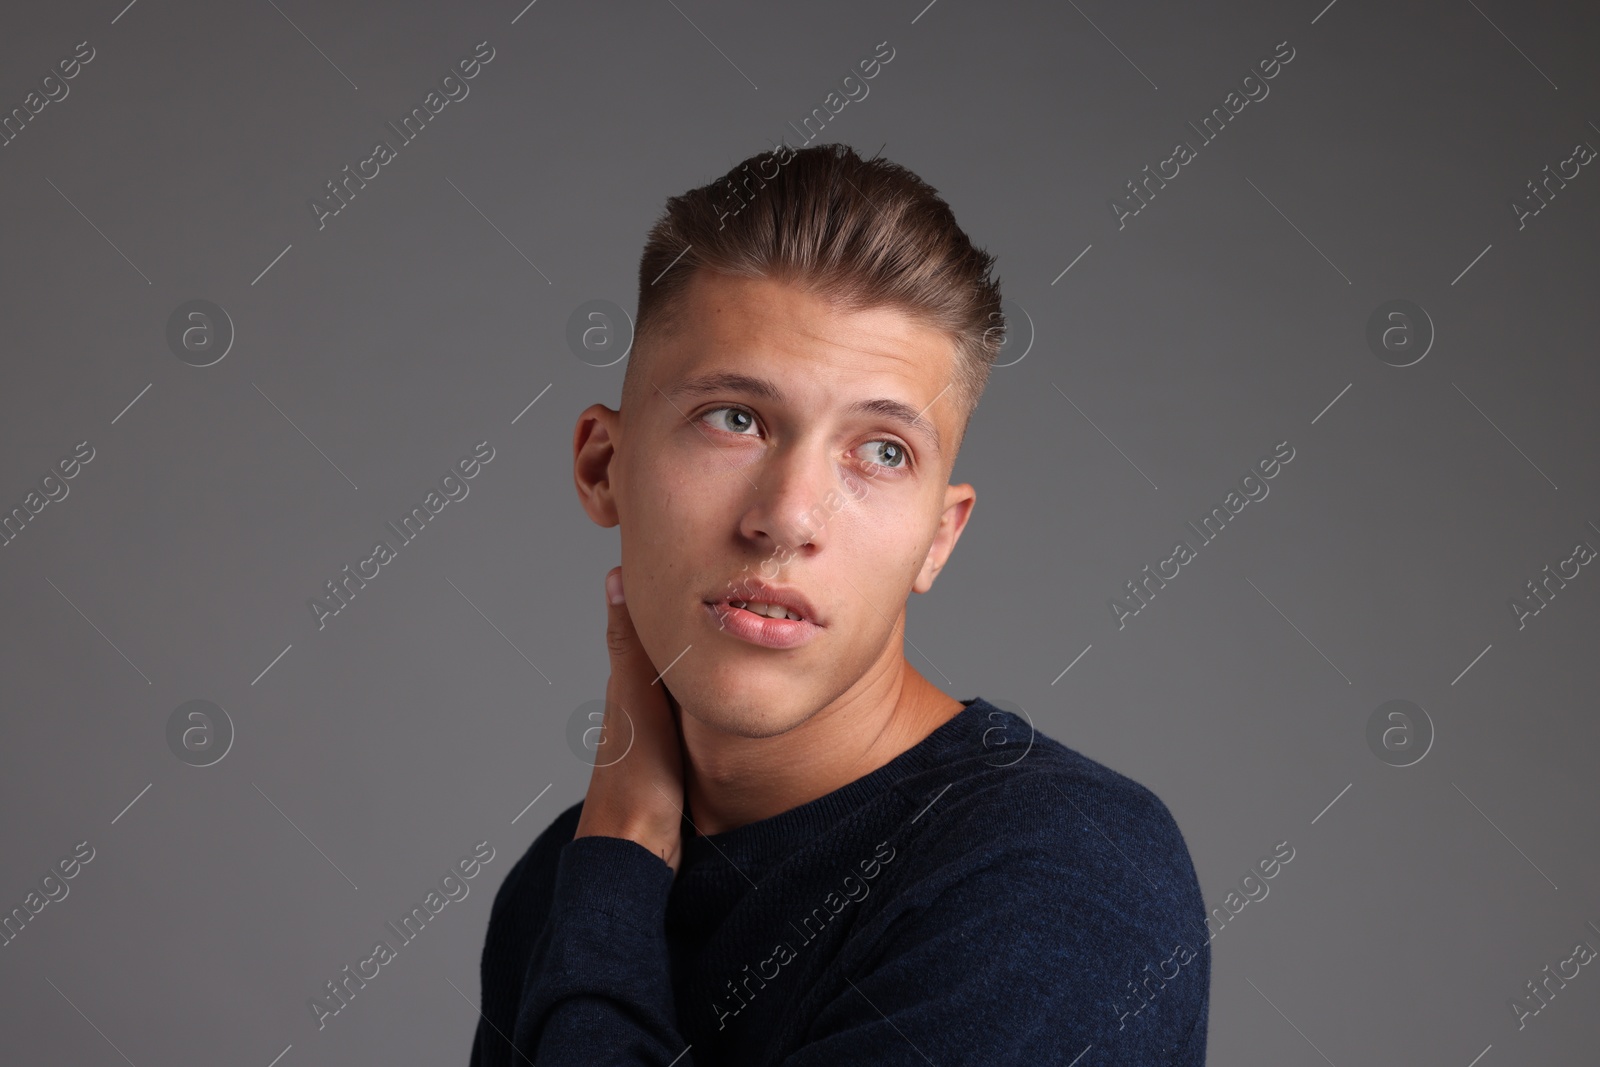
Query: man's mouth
x,y
771,611
768,600
762,623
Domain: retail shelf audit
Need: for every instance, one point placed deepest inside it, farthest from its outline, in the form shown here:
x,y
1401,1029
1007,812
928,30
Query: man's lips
x,y
755,592
759,629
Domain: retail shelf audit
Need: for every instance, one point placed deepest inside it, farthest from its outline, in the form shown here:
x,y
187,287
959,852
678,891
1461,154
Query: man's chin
x,y
745,705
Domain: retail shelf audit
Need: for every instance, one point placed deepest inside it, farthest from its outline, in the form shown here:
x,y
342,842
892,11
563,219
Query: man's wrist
x,y
667,847
654,832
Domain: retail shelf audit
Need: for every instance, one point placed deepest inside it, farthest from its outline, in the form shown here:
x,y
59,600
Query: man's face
x,y
718,488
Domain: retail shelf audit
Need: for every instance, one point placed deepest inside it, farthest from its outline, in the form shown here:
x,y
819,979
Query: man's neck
x,y
757,779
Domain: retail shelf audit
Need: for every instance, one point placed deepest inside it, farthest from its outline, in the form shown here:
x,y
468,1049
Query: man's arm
x,y
1030,959
599,978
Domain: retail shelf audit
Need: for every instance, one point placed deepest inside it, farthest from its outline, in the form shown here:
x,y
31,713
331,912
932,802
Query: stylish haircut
x,y
860,233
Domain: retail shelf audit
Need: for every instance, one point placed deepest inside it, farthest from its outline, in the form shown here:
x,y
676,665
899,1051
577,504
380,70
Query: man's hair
x,y
860,233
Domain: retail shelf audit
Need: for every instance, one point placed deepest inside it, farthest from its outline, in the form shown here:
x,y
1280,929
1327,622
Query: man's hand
x,y
640,796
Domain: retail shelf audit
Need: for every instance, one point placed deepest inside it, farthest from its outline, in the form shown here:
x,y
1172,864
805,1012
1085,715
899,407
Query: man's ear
x,y
594,452
959,501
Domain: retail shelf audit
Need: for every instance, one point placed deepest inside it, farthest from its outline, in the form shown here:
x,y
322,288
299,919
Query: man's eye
x,y
892,455
730,419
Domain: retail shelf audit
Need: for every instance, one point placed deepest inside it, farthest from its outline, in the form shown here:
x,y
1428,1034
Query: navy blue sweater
x,y
989,896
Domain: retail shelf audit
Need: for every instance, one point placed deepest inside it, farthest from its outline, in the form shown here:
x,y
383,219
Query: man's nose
x,y
789,506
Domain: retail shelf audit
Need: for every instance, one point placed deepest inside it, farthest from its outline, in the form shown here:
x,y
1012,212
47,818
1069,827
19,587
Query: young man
x,y
810,855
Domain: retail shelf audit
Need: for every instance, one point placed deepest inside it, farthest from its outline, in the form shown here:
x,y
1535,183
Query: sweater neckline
x,y
756,840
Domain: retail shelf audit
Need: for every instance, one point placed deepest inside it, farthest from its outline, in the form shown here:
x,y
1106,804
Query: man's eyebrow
x,y
733,382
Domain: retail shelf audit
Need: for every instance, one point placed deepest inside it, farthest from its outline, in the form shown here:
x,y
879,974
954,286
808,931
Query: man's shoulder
x,y
1015,794
1018,855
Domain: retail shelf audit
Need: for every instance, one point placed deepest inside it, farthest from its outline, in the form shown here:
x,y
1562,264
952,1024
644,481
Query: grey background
x,y
1226,317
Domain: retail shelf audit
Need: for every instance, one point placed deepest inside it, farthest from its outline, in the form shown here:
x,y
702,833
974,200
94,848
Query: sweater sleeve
x,y
599,982
1038,956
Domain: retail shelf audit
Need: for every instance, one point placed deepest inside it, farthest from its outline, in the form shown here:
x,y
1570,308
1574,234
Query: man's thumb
x,y
621,640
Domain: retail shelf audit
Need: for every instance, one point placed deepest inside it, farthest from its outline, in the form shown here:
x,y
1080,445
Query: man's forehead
x,y
720,302
748,322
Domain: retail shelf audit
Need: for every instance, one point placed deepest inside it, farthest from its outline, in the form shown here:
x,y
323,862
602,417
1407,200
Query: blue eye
x,y
738,420
735,427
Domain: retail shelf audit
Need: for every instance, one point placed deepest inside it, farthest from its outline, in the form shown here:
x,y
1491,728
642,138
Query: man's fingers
x,y
628,658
